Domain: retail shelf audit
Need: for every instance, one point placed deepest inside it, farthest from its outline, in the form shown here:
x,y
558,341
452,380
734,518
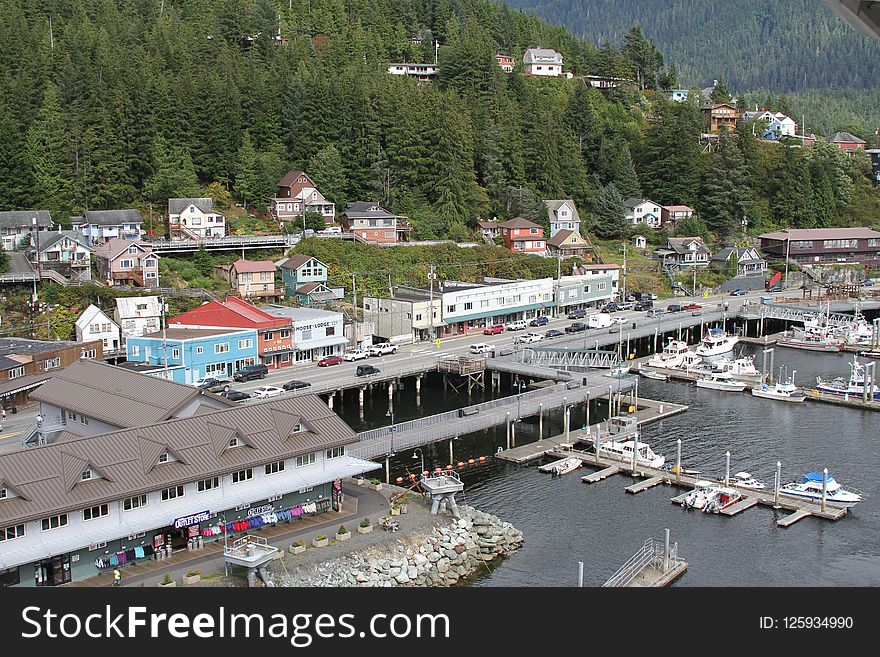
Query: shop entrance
x,y
52,572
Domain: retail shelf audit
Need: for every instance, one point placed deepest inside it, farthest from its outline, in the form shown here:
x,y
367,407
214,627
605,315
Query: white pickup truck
x,y
530,337
382,349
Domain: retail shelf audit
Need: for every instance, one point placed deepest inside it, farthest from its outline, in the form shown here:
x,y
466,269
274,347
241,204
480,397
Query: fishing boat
x,y
723,498
565,466
671,356
810,489
624,451
742,368
854,387
783,390
815,336
651,374
703,491
722,381
717,342
745,480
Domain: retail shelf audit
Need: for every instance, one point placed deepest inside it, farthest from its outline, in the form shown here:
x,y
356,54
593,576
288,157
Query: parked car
x,y
296,385
738,293
632,296
268,391
482,348
646,304
540,321
366,370
356,354
610,308
576,327
382,349
249,372
517,325
778,286
329,360
602,320
530,337
212,384
494,329
674,308
867,283
553,333
580,313
655,312
693,306
235,395
626,305
619,320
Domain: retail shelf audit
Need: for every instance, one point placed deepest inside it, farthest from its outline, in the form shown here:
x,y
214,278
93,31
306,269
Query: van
x,y
602,320
366,370
518,325
249,372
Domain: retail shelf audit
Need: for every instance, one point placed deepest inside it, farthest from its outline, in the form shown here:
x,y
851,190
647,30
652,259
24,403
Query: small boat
x,y
565,466
742,368
745,480
723,498
784,390
671,356
722,381
618,371
669,467
813,337
624,451
810,489
651,374
703,491
691,362
716,342
854,387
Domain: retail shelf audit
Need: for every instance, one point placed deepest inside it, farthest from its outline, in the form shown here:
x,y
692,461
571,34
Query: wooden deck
x,y
599,476
644,485
653,578
742,505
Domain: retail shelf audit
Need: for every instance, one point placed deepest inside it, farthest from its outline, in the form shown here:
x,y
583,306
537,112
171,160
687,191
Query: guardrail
x,y
652,553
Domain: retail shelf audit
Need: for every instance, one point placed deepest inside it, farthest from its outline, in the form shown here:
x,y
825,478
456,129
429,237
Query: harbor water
x,y
565,521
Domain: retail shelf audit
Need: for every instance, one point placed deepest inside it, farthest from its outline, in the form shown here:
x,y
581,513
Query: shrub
x,y
375,482
193,573
166,579
300,542
321,537
342,530
365,522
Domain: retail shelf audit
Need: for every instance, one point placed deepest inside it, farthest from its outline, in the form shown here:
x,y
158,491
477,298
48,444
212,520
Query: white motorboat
x,y
691,362
652,374
703,491
671,356
722,381
624,450
619,370
810,489
783,390
717,342
854,387
565,466
815,336
722,498
742,368
745,480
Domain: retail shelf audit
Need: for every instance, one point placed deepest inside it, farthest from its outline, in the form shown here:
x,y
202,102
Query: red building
x,y
847,142
505,62
274,334
523,236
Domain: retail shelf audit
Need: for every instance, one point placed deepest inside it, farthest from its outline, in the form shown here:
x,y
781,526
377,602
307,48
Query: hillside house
x,y
523,236
749,261
720,116
644,212
670,215
563,215
542,62
17,224
373,223
95,324
567,243
194,219
305,280
505,62
66,252
296,194
124,262
685,252
847,142
253,279
99,226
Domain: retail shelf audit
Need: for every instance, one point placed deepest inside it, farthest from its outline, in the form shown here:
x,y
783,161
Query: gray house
x,y
684,252
15,224
749,262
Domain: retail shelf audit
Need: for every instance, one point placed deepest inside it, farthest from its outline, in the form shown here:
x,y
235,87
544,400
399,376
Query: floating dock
x,y
854,401
656,564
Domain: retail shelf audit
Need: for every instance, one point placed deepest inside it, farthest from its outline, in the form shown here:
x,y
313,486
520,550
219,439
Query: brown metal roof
x,y
117,396
822,234
518,222
127,460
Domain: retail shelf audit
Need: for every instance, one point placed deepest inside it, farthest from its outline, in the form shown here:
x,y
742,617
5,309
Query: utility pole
x,y
431,277
354,301
164,335
623,286
787,252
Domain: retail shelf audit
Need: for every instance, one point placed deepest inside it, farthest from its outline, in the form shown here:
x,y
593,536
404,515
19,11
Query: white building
x,y
316,333
777,122
102,225
407,317
137,316
644,212
563,216
194,218
17,224
473,306
542,61
421,72
94,324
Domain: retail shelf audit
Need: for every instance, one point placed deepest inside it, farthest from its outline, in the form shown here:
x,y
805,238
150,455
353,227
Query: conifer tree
x,y
609,214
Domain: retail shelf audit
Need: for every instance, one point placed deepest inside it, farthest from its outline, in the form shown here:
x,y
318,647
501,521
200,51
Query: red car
x,y
492,330
693,306
330,360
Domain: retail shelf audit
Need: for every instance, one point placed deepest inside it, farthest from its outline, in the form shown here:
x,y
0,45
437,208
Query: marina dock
x,y
656,564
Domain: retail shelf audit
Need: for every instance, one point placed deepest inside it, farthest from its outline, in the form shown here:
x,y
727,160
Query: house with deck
x,y
644,212
684,252
543,62
194,219
252,279
100,226
523,236
123,262
16,225
295,195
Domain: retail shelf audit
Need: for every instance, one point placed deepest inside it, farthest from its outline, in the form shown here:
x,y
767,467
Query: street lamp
x,y
520,384
422,455
390,413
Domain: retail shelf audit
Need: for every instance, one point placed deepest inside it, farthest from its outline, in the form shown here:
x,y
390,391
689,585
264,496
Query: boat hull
x,y
817,499
855,393
809,347
730,386
769,394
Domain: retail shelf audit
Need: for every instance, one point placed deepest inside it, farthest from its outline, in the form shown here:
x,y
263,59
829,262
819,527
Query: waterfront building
x,y
470,307
589,286
410,315
809,246
316,333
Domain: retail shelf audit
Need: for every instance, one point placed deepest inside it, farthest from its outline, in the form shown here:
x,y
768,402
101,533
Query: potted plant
x,y
320,541
342,533
298,546
403,505
365,527
192,577
167,581
395,509
375,484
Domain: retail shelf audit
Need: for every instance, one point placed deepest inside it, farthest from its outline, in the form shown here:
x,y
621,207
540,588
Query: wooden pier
x,y
600,475
855,401
644,485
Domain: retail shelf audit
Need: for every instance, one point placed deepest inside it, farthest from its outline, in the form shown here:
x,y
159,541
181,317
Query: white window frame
x,y
17,531
165,494
95,512
242,475
275,467
134,502
61,520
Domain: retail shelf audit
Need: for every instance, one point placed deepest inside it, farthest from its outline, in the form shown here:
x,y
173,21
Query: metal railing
x,y
652,553
569,357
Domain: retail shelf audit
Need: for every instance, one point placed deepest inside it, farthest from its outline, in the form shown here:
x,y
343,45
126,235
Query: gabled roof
x,y
822,234
90,314
115,247
50,238
682,244
296,261
242,265
678,208
233,312
41,475
291,177
487,224
519,222
117,396
127,307
367,210
108,217
24,218
843,137
725,253
554,205
633,202
533,54
559,240
178,205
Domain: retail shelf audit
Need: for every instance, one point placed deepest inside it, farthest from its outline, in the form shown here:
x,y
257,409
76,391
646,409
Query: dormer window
x,y
4,493
164,457
86,475
298,428
236,442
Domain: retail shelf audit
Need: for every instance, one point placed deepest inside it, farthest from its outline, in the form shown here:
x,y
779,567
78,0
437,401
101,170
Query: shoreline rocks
x,y
444,555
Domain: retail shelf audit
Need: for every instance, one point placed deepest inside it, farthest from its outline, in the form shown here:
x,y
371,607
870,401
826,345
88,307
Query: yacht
x,y
671,356
783,390
722,381
810,489
703,491
619,370
813,337
742,368
745,480
624,451
723,498
716,343
691,362
652,374
854,387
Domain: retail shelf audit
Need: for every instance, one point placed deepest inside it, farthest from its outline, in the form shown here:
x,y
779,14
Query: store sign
x,y
260,510
194,519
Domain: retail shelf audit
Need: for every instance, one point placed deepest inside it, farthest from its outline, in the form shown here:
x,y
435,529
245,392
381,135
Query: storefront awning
x,y
315,344
500,311
24,383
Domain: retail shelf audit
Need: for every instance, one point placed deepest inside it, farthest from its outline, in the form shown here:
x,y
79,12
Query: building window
x,y
96,512
89,353
86,475
221,348
306,459
135,350
171,493
135,502
272,468
71,415
54,522
840,244
802,244
9,533
601,286
175,353
200,350
335,453
126,264
16,372
4,493
331,330
164,457
245,344
242,475
307,335
208,484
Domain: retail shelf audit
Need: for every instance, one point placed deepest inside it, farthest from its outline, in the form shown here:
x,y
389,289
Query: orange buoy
x,y
400,480
482,458
470,461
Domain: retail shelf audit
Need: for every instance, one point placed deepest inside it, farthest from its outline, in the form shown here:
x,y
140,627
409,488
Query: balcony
x,y
129,277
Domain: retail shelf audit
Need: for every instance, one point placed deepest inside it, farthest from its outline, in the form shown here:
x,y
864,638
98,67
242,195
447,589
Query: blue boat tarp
x,y
816,476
